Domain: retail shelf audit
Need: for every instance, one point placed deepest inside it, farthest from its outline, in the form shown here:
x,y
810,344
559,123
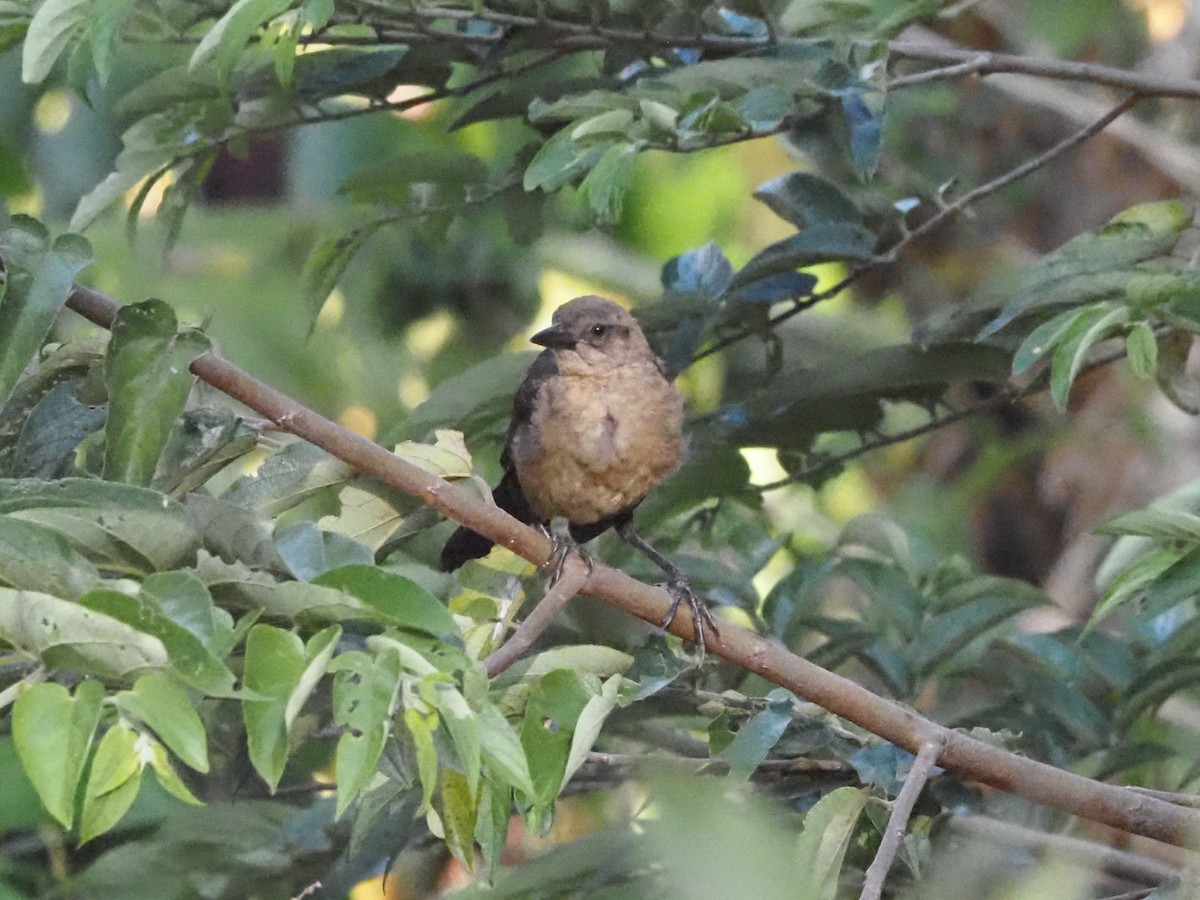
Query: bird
x,y
596,423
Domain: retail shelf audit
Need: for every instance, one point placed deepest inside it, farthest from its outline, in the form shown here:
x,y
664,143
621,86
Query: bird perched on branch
x,y
596,424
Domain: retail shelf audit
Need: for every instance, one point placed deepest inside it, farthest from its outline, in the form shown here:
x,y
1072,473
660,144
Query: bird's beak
x,y
554,338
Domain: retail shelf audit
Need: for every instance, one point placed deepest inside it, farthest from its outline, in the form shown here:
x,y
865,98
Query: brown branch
x,y
1122,863
897,824
962,61
962,755
574,577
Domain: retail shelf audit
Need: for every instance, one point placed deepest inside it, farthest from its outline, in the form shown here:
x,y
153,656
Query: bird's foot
x,y
681,591
561,548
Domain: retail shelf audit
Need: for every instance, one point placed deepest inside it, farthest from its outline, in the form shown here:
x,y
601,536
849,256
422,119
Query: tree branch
x,y
965,756
897,824
944,213
574,577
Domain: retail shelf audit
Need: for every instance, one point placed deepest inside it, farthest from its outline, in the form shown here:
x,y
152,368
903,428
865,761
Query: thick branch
x,y
965,756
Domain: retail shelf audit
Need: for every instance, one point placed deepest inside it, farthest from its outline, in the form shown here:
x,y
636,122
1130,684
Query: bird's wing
x,y
543,368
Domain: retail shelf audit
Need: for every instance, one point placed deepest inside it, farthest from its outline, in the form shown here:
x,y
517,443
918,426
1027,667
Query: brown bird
x,y
596,423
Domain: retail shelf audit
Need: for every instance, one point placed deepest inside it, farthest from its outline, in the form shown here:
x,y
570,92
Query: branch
x,y
1135,866
944,213
962,755
574,577
897,824
963,61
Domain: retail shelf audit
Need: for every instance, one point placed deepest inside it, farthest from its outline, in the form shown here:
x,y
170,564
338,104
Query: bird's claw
x,y
681,592
561,548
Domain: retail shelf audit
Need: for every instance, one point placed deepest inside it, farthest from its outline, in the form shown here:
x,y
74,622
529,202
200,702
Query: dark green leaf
x,y
755,739
394,598
1093,326
1043,339
190,658
36,558
224,42
146,372
817,244
364,693
806,200
39,277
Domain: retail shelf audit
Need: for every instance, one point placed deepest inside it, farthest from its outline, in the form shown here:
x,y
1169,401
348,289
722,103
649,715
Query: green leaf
x,y
273,668
40,273
36,558
458,814
606,184
183,598
819,243
148,381
286,479
1133,582
502,751
491,825
1141,346
66,635
755,739
828,830
561,160
447,457
165,772
464,728
364,695
1043,339
974,607
396,599
166,709
308,551
1177,583
190,658
51,29
55,427
113,783
328,261
587,727
806,200
1093,326
53,731
554,706
105,33
224,42
1159,522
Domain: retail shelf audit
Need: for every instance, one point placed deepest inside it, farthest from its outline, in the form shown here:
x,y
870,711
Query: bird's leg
x,y
561,547
678,586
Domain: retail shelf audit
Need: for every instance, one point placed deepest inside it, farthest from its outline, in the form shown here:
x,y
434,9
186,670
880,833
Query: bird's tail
x,y
466,544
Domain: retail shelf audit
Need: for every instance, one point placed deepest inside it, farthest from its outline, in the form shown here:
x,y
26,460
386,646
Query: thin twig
x,y
574,576
1003,396
944,213
902,808
963,755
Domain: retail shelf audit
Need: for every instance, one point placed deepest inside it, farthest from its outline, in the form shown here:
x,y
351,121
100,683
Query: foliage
x,y
262,628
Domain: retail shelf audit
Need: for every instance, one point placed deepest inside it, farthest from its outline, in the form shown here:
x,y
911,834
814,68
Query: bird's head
x,y
598,331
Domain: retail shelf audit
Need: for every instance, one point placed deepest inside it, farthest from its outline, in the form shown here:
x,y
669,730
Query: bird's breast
x,y
598,443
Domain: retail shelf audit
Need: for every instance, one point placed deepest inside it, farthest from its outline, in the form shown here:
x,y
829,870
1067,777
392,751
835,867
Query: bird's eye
x,y
599,330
